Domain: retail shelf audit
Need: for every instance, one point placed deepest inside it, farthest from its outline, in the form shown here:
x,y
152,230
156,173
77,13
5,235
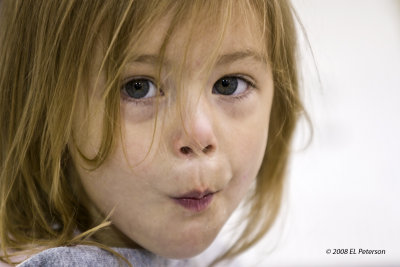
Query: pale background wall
x,y
344,189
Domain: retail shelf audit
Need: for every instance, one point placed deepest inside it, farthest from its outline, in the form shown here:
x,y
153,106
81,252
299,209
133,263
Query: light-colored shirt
x,y
86,256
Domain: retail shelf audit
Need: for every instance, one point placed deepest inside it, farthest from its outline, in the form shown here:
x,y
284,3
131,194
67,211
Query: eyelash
x,y
230,98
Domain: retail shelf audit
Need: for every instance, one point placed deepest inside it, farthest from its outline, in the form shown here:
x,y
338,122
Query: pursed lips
x,y
196,194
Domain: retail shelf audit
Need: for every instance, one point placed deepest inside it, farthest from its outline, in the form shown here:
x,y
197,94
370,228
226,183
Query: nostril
x,y
186,150
207,148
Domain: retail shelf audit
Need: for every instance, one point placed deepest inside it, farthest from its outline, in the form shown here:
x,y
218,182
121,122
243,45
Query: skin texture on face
x,y
139,184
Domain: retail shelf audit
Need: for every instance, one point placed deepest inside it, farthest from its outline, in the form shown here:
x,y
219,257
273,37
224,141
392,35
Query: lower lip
x,y
194,204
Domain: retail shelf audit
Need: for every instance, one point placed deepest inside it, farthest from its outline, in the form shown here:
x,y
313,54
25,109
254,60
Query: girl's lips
x,y
197,203
196,194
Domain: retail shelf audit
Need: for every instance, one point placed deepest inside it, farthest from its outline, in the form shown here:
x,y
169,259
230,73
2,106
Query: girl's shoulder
x,y
83,255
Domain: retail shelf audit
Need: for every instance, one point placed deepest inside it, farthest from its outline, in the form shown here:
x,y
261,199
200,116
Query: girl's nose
x,y
196,137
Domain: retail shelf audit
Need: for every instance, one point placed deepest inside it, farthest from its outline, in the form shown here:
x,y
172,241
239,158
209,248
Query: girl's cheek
x,y
131,151
238,110
136,146
137,113
250,144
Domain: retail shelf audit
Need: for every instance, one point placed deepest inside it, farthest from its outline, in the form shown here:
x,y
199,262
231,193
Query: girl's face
x,y
173,186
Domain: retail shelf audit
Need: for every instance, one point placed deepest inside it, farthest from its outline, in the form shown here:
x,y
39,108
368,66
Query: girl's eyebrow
x,y
240,55
223,59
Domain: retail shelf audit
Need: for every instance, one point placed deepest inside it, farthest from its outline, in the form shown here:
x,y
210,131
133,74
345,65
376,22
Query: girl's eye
x,y
140,88
230,86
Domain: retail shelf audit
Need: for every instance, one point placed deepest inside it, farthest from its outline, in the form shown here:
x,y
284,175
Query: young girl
x,y
133,129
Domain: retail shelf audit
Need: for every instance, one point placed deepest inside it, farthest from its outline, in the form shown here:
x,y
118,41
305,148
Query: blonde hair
x,y
46,52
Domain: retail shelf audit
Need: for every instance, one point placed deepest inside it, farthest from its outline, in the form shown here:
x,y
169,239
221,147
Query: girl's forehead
x,y
196,43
